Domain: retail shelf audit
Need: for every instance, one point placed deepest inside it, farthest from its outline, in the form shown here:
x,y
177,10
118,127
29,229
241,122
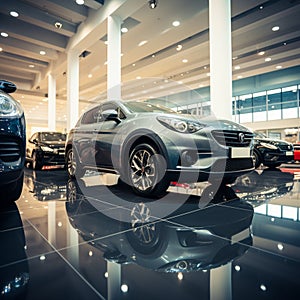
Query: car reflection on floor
x,y
260,186
14,270
46,185
189,239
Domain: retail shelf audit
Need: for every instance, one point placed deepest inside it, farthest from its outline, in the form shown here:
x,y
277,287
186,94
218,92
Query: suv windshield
x,y
147,107
53,136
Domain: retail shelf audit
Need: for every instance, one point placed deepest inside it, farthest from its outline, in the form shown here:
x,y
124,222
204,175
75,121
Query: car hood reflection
x,y
47,185
260,186
14,270
189,239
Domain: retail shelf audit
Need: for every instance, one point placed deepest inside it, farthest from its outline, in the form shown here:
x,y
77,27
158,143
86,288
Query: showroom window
x,y
276,104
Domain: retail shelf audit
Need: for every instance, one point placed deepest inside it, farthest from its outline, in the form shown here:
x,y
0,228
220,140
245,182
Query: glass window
x,y
289,102
90,116
259,106
274,104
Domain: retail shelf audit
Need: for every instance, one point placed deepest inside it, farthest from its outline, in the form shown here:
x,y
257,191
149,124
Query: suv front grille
x,y
10,149
285,147
233,138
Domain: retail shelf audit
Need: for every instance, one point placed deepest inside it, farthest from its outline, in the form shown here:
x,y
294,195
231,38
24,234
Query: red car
x,y
297,152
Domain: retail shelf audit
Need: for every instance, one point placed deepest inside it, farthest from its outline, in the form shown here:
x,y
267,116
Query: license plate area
x,y
240,152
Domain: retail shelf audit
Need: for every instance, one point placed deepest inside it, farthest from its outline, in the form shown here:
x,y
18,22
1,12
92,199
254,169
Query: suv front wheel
x,y
74,167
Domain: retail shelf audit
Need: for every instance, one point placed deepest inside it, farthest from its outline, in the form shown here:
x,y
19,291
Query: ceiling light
x,y
1,49
207,74
138,77
31,66
80,2
42,52
176,23
179,47
4,34
239,77
14,14
142,43
237,67
184,60
278,67
268,59
124,29
152,4
58,25
261,53
275,28
261,7
90,75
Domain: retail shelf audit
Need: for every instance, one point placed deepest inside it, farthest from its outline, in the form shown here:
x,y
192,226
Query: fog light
x,y
189,158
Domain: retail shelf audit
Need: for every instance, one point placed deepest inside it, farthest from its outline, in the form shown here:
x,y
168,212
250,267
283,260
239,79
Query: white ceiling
x,y
158,62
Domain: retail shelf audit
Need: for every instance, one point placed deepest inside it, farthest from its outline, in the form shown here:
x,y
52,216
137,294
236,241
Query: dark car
x,y
12,144
271,152
149,146
46,149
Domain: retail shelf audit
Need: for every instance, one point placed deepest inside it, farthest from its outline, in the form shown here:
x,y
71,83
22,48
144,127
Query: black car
x,y
149,146
271,152
46,149
12,144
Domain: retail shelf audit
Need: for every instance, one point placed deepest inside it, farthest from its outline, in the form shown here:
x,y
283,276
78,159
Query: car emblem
x,y
241,137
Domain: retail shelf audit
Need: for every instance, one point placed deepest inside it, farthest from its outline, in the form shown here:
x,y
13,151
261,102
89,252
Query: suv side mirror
x,y
7,86
110,115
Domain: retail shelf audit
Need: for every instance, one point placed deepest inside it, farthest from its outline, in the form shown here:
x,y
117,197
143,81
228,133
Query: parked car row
x,y
147,145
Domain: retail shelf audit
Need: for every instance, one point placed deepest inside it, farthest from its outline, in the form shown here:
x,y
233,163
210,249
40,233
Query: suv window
x,y
91,116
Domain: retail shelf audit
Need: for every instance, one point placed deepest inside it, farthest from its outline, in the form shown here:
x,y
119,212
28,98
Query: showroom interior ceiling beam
x,y
160,57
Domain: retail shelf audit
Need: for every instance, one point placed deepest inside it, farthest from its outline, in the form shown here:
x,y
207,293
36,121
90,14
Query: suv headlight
x,y
269,146
9,107
46,149
180,125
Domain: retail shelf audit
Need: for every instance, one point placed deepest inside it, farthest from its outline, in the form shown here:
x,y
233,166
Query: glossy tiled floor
x,y
85,240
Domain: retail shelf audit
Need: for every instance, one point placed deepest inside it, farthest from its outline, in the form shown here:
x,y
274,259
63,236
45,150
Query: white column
x,y
113,281
220,283
52,222
51,102
114,57
72,88
220,58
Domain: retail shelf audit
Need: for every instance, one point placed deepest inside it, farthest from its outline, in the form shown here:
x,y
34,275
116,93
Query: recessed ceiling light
x,y
207,74
138,77
90,75
14,14
237,67
176,23
4,34
31,66
152,4
142,43
1,49
58,25
278,67
42,52
239,77
124,29
179,47
261,7
275,28
133,65
184,60
268,59
235,57
261,52
80,2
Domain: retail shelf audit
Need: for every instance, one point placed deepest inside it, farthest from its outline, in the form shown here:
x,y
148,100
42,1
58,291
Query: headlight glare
x,y
180,125
46,149
269,146
9,107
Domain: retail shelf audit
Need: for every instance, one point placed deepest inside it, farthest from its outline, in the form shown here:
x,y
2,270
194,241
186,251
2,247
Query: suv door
x,y
104,134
